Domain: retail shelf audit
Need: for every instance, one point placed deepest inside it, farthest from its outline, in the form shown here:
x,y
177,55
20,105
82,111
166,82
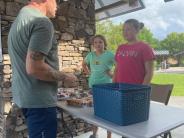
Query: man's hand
x,y
70,80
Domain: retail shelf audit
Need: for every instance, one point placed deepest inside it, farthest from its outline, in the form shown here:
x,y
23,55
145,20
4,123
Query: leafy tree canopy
x,y
113,34
174,42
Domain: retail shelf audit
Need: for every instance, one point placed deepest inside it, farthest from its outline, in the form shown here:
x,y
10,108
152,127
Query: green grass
x,y
176,79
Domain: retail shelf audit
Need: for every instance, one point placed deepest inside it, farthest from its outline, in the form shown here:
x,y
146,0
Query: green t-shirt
x,y
32,30
99,65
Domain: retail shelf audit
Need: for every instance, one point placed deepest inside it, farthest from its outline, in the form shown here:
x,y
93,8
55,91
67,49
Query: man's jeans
x,y
41,122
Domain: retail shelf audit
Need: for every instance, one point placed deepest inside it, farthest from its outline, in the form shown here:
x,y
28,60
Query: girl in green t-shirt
x,y
98,65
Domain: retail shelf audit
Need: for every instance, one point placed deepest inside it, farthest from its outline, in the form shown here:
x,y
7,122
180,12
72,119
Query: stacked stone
x,y
75,24
75,19
9,10
1,79
15,124
5,93
6,74
2,126
72,126
71,55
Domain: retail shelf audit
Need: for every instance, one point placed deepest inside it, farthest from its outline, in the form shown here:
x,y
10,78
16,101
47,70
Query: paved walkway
x,y
176,101
179,70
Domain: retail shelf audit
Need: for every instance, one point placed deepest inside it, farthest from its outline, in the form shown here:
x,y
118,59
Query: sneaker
x,y
93,136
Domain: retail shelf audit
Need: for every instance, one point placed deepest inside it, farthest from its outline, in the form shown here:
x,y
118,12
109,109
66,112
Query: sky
x,y
160,17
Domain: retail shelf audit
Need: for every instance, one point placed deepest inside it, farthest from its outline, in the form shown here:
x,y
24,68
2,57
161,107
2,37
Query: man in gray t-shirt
x,y
33,53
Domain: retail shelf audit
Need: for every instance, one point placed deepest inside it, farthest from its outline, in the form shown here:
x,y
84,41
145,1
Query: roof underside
x,y
111,8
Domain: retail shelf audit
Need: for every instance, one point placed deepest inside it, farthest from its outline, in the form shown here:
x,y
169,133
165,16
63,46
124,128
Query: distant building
x,y
181,53
161,57
161,52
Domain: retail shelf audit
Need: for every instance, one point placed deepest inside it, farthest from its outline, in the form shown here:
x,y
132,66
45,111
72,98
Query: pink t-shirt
x,y
130,61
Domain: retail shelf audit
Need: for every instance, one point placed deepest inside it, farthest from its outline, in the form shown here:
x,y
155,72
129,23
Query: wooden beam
x,y
102,5
116,4
167,0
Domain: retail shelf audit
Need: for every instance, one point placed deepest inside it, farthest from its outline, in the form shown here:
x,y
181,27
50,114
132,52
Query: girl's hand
x,y
86,69
110,73
88,73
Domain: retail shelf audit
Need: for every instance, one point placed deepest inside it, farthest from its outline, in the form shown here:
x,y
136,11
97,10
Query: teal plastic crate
x,y
122,103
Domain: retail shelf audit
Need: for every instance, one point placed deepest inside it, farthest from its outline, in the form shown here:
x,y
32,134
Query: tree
x,y
147,36
113,34
174,42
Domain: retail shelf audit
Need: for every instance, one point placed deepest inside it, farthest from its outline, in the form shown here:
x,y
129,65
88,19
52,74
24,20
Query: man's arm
x,y
149,67
36,67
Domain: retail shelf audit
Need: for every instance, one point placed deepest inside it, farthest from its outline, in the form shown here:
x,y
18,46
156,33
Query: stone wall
x,y
74,25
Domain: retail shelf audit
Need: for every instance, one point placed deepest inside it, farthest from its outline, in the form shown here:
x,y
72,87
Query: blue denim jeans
x,y
41,122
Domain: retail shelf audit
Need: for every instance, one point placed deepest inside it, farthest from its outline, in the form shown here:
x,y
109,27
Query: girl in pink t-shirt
x,y
134,60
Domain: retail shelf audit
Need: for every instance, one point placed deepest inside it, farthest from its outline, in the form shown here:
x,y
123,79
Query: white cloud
x,y
179,22
160,17
156,23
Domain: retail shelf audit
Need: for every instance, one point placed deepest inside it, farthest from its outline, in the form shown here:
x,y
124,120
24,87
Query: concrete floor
x,y
176,101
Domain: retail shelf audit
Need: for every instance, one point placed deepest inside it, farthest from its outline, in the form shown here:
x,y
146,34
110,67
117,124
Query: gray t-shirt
x,y
32,30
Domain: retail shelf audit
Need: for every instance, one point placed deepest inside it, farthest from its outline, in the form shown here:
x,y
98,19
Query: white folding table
x,y
161,119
